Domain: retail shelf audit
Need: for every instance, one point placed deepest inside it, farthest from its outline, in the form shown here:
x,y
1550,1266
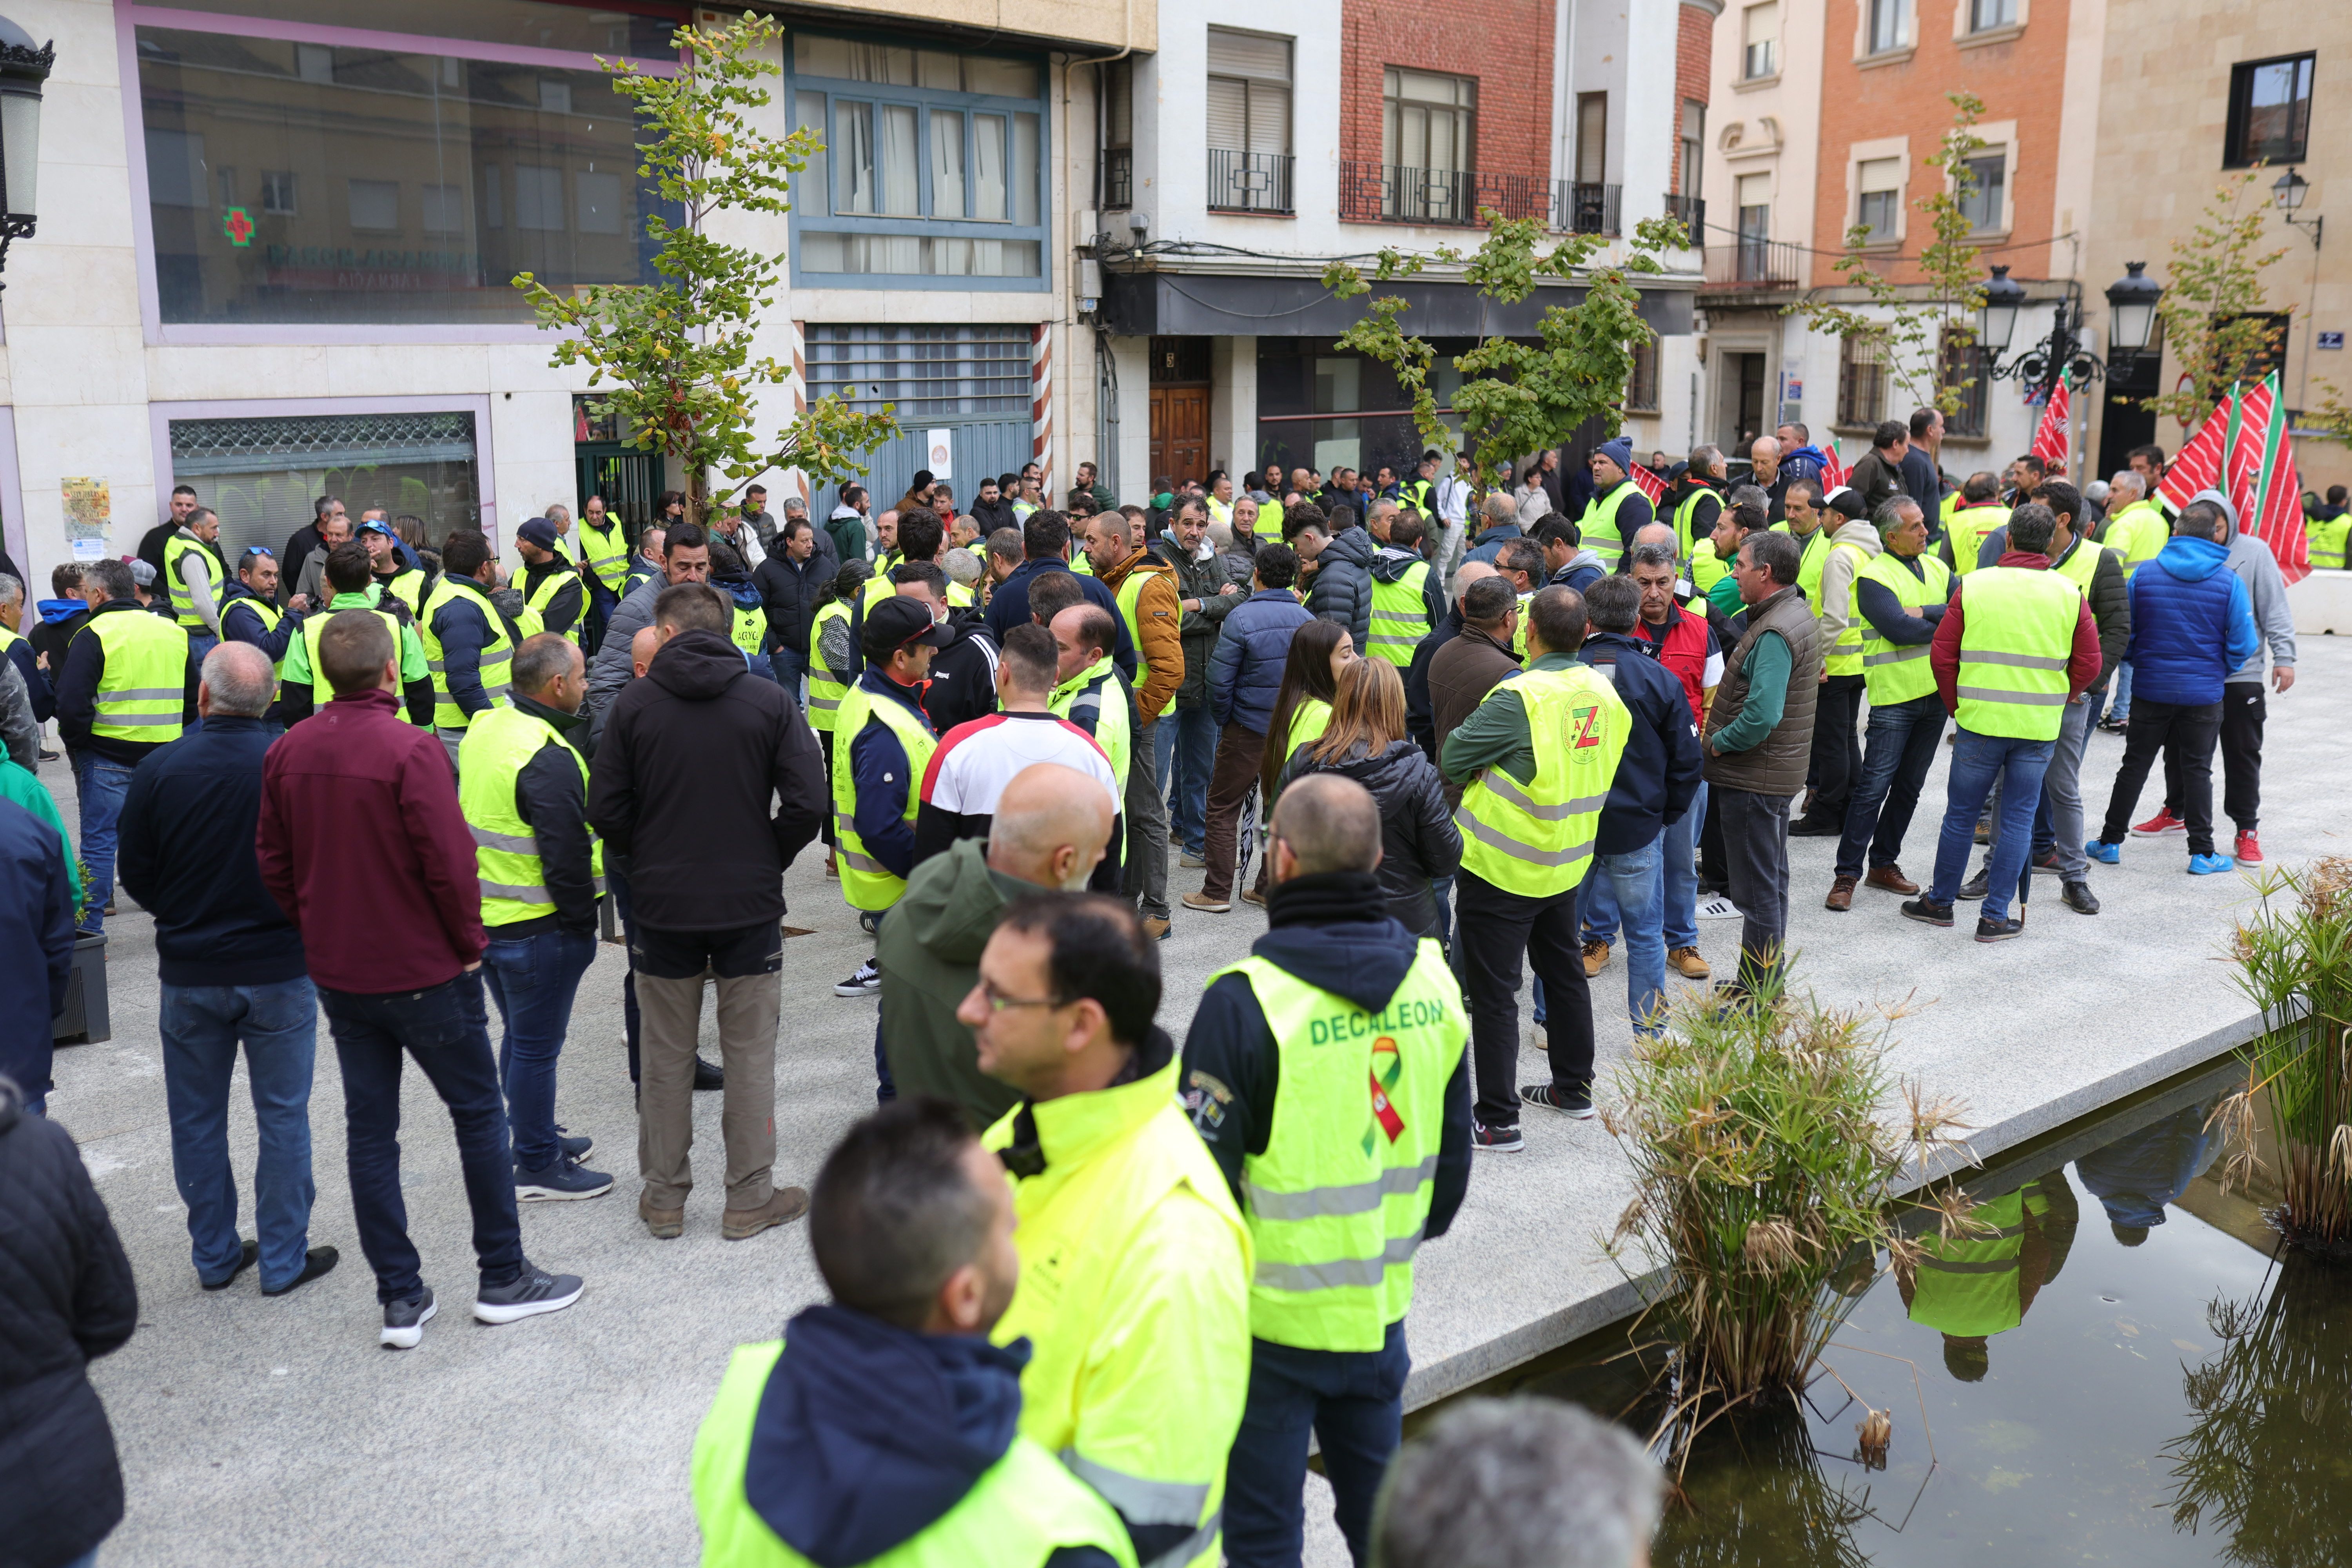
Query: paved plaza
x,y
277,1432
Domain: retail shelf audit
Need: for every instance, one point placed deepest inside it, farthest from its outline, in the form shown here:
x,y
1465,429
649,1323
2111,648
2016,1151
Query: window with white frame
x,y
1878,205
1429,121
1889,23
1760,40
943,151
1984,195
1984,15
1694,146
403,158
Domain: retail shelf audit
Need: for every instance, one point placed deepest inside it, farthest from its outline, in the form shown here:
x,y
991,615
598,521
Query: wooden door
x,y
1179,433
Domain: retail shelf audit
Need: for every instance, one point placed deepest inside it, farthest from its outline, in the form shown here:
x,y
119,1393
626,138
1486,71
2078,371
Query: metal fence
x,y
1692,212
1249,182
1580,208
1754,264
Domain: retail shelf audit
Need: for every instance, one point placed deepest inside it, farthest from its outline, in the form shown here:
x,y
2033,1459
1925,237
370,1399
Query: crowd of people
x,y
1442,729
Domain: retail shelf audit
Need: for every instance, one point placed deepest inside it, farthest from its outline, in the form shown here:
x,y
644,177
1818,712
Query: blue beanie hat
x,y
1620,452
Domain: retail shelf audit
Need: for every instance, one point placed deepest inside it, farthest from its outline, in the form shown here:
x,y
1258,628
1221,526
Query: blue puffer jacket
x,y
1245,672
2192,624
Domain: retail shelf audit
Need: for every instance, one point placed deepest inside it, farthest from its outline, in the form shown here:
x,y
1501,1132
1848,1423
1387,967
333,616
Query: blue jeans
x,y
1353,1402
1976,761
202,1026
1678,857
445,1029
533,980
2123,691
1185,744
101,783
1897,751
1631,888
789,668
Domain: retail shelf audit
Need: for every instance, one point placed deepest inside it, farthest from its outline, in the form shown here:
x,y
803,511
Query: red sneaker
x,y
2159,826
2249,849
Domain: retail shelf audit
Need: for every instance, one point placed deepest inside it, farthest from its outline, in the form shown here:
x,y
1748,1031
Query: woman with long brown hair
x,y
1319,650
1365,740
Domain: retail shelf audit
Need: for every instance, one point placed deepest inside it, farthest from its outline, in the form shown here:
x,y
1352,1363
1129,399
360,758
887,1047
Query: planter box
x,y
84,1019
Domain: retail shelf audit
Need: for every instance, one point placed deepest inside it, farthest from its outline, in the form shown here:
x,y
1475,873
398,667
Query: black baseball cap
x,y
899,622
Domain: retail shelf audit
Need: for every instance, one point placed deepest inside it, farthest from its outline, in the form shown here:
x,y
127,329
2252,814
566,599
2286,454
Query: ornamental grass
x,y
1765,1173
2294,960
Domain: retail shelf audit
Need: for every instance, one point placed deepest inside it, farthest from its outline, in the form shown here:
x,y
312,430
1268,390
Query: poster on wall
x,y
941,461
88,510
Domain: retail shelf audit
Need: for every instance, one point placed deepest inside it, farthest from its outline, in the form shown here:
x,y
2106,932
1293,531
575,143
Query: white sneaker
x,y
1720,907
865,983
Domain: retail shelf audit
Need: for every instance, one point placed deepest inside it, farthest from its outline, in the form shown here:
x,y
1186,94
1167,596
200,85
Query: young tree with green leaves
x,y
678,355
2212,302
1918,336
1515,399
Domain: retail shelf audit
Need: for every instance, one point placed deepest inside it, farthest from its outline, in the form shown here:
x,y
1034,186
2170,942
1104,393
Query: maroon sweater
x,y
361,841
1944,652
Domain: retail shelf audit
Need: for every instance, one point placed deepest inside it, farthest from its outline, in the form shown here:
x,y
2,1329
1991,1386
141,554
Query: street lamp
x,y
2289,190
2062,355
1996,323
23,69
2131,307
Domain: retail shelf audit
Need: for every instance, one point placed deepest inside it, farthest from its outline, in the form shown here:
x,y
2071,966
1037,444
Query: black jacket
x,y
1659,774
1419,842
186,854
707,781
562,610
1340,591
66,1298
1420,717
990,516
792,592
1319,931
549,798
77,694
37,690
1009,607
964,674
297,551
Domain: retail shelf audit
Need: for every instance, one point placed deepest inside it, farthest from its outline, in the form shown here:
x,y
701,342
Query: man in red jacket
x,y
361,841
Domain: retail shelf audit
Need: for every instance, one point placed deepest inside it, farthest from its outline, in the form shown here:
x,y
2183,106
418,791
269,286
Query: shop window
x,y
263,474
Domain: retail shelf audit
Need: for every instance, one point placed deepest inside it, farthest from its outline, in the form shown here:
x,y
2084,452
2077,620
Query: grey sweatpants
x,y
2061,791
1145,876
1755,861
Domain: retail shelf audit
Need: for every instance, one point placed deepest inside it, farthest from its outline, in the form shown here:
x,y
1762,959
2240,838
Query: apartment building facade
x,y
1830,112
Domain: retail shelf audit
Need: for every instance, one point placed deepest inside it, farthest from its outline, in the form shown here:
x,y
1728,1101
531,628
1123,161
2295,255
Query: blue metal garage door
x,y
971,381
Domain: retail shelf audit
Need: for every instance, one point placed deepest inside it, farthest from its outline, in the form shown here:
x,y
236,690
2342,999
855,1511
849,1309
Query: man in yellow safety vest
x,y
882,742
550,585
466,648
1135,1261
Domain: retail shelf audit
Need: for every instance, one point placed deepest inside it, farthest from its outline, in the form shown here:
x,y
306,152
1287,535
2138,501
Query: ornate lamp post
x,y
23,71
2062,355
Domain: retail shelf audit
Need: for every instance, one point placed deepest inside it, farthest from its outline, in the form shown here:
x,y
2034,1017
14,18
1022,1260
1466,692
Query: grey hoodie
x,y
1836,610
2258,569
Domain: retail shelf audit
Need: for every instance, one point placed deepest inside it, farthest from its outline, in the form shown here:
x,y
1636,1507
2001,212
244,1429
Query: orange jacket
x,y
1158,638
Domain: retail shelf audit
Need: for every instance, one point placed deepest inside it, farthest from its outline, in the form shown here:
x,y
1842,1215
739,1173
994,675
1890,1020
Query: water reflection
x,y
2136,1177
1975,1286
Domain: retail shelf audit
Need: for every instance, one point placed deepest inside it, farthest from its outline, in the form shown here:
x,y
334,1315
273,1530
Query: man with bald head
x,y
1336,996
1048,830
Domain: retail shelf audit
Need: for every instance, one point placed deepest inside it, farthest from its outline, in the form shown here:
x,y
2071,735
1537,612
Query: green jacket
x,y
929,952
21,786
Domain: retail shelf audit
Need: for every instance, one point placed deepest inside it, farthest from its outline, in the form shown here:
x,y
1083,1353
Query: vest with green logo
x,y
1898,672
497,655
1399,615
542,599
1095,692
490,759
144,688
747,627
1130,603
1337,1202
1968,528
2014,646
1842,649
826,693
1599,526
866,882
176,551
1536,839
607,550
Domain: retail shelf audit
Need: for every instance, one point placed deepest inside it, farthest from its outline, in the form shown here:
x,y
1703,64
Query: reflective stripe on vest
x,y
1020,1512
1599,528
866,882
2017,638
143,691
314,626
183,605
1536,840
1969,1286
497,654
824,693
1399,615
498,746
1094,691
2139,531
607,552
1337,1202
1130,604
1899,672
542,599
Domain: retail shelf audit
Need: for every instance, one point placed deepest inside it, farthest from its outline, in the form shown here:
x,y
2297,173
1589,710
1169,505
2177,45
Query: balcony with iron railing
x,y
1249,182
1691,213
1398,193
1748,263
1581,209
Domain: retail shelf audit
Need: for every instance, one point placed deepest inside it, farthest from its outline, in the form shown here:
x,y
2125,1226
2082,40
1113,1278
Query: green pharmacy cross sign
x,y
237,224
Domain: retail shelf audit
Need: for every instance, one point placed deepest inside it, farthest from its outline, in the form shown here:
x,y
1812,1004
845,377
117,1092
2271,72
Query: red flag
x,y
1649,484
2259,469
1833,471
2198,465
2050,435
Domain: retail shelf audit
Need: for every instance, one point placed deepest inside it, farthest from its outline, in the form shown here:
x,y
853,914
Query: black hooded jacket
x,y
964,674
707,781
1320,933
1418,839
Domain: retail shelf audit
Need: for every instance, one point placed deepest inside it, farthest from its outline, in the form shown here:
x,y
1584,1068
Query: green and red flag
x,y
2259,477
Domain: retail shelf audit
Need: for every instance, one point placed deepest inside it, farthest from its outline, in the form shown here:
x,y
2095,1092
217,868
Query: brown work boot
x,y
1156,928
1596,957
1686,963
787,1204
1841,897
832,866
662,1225
1890,878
